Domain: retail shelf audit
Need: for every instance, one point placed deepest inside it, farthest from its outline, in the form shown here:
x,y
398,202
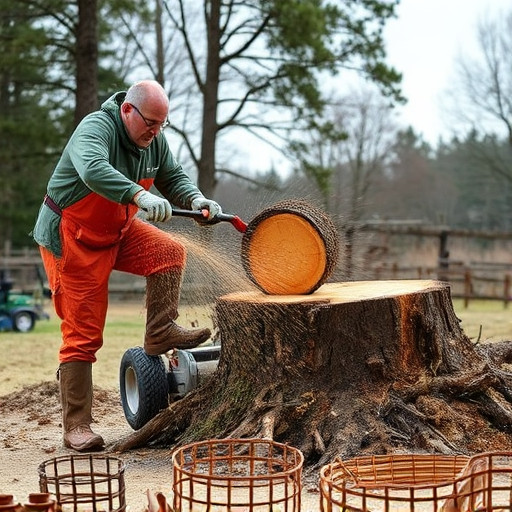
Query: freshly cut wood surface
x,y
291,247
353,291
287,255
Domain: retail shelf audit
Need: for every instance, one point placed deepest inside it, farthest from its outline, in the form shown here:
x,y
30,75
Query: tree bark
x,y
357,367
210,92
86,59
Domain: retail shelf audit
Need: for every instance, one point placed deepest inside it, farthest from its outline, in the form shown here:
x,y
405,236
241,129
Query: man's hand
x,y
201,203
157,208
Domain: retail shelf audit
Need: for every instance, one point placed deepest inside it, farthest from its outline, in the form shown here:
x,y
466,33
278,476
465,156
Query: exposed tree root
x,y
173,419
495,408
347,378
499,352
261,412
464,383
409,421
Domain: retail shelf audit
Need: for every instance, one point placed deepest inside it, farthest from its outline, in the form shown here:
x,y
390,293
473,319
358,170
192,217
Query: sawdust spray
x,y
213,268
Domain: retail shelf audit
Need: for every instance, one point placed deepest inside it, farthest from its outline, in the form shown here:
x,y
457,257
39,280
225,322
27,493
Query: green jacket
x,y
100,158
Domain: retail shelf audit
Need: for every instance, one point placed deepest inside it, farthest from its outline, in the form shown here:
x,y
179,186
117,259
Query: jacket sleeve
x,y
89,149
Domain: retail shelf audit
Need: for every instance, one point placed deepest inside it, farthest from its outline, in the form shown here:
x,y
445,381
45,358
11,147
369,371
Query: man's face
x,y
144,123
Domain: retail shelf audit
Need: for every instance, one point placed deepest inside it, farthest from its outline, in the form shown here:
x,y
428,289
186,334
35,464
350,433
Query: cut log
x,y
291,247
357,367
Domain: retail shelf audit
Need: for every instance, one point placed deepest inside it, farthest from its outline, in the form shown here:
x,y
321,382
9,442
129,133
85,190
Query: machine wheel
x,y
143,385
23,321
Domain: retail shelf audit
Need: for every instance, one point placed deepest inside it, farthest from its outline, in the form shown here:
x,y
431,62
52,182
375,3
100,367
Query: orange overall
x,y
99,236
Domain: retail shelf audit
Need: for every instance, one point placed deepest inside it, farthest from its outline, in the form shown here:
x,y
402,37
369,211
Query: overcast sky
x,y
423,44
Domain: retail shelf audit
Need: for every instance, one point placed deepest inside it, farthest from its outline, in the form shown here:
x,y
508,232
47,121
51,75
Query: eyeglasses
x,y
149,122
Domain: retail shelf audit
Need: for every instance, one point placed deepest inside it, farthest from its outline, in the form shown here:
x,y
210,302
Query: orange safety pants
x,y
79,281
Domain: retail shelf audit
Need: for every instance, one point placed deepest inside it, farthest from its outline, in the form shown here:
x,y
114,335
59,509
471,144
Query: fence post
x,y
444,255
506,291
467,288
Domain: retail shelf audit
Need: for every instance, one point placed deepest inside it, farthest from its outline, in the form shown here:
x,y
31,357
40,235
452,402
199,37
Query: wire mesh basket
x,y
253,474
389,482
84,482
419,483
484,484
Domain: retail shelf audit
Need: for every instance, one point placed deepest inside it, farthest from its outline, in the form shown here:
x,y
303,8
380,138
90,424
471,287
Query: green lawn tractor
x,y
18,311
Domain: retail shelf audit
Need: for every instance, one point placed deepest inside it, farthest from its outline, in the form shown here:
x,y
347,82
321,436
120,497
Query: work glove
x,y
157,209
201,203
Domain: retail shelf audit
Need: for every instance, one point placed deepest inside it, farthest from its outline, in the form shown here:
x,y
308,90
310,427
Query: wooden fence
x,y
477,280
474,280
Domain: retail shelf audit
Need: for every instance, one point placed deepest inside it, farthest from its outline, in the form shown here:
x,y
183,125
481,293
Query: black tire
x,y
143,385
23,321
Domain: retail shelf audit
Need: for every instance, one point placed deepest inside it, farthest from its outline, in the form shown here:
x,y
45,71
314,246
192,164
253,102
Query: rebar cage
x,y
85,482
254,474
417,483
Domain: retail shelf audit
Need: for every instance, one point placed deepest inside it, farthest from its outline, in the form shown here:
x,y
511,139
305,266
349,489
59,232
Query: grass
x,y
485,320
29,358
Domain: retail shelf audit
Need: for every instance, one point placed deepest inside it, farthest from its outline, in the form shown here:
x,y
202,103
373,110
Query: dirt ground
x,y
31,434
30,430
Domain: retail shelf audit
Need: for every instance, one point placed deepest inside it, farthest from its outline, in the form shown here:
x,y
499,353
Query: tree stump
x,y
356,367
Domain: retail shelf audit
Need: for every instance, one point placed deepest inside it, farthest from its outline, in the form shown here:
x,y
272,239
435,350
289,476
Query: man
x,y
87,227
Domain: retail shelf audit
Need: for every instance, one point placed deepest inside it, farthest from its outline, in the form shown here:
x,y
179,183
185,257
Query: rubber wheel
x,y
23,321
143,385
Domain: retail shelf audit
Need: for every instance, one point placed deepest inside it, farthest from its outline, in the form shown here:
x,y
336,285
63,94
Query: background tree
x,y
483,92
26,121
481,196
238,74
49,63
414,187
364,156
255,72
348,151
86,59
368,121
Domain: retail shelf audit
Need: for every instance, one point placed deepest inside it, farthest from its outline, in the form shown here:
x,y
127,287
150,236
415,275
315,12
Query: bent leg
x,y
147,250
153,253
